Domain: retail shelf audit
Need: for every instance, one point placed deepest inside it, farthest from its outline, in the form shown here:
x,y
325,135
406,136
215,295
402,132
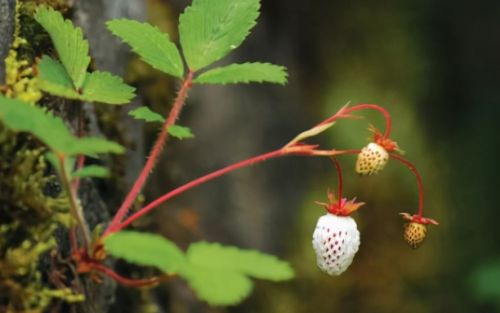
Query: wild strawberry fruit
x,y
335,241
414,234
416,230
371,159
336,237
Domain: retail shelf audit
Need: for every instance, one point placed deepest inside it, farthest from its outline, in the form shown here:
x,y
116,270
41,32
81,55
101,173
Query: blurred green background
x,y
435,66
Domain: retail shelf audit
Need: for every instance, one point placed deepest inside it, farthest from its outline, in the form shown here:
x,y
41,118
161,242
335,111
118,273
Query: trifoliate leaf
x,y
180,132
244,73
144,113
219,273
54,79
91,171
210,29
24,117
68,40
98,86
145,249
248,262
152,45
217,287
107,88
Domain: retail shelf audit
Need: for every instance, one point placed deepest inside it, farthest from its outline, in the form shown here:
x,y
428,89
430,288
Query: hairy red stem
x,y
208,177
155,153
419,182
344,112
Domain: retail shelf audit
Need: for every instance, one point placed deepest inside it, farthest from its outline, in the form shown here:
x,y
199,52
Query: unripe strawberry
x,y
416,230
414,234
371,159
335,241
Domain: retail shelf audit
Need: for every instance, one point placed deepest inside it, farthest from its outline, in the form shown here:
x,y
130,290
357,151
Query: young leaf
x,y
244,73
73,50
180,132
154,46
24,117
144,113
91,171
210,29
107,88
248,262
217,287
145,249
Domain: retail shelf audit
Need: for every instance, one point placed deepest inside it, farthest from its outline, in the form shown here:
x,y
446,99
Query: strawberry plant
x,y
209,30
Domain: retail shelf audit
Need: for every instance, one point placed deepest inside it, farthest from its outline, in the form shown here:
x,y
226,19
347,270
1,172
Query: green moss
x,y
32,205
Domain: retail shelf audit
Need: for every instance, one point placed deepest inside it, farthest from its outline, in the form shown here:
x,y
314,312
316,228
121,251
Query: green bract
x,y
219,274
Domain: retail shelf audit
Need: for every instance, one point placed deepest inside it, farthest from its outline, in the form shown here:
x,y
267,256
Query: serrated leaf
x,y
218,287
180,132
152,45
24,117
145,249
249,262
68,40
92,145
244,73
210,29
145,113
54,79
107,88
99,86
91,171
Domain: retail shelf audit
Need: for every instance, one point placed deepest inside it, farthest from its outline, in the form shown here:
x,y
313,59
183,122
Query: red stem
x,y
345,113
419,182
201,180
155,153
339,176
124,280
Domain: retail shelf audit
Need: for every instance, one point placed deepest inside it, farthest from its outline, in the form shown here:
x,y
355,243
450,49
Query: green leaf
x,y
92,145
68,40
98,86
91,171
210,29
107,88
144,113
54,79
249,262
154,46
219,273
180,132
24,117
218,287
145,249
244,73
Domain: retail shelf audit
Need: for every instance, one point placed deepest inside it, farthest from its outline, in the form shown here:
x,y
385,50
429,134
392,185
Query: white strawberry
x,y
371,159
335,241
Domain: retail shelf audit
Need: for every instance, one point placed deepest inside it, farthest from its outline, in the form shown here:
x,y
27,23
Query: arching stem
x,y
155,152
345,111
148,282
420,183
